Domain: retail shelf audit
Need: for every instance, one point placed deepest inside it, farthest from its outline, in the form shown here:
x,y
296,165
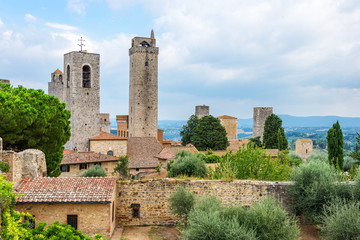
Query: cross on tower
x,y
81,43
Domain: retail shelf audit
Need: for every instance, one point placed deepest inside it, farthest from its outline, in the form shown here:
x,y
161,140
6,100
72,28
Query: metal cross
x,y
81,43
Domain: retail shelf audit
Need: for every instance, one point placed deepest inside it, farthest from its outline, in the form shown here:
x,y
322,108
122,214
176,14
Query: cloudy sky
x,y
300,57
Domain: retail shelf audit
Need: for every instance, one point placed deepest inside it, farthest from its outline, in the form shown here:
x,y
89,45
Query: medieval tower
x,y
202,110
259,118
79,88
143,87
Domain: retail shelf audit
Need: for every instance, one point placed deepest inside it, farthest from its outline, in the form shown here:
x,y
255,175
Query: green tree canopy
x,y
204,133
188,130
274,134
335,142
32,119
356,153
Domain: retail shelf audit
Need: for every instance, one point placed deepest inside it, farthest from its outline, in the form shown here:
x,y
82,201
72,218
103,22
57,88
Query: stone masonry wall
x,y
151,197
259,118
230,125
119,147
202,110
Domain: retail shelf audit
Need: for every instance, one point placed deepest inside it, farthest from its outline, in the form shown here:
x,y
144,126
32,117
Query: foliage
x,y
335,143
296,160
264,220
188,130
4,167
274,134
340,220
189,165
356,153
252,163
204,133
32,119
349,162
122,167
181,203
317,155
209,157
94,171
158,167
256,141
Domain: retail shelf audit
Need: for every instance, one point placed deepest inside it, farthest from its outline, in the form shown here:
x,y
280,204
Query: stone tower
x,y
259,118
303,147
79,88
202,110
143,87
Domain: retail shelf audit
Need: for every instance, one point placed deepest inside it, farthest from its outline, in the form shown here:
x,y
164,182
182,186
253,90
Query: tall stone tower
x,y
143,87
202,110
259,118
79,88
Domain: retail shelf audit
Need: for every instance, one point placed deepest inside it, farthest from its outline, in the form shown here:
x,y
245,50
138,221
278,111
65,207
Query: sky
x,y
300,57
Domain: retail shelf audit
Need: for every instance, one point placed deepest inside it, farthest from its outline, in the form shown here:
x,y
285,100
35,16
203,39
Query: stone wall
x,y
29,163
149,198
230,125
76,172
105,124
259,118
303,147
119,147
202,110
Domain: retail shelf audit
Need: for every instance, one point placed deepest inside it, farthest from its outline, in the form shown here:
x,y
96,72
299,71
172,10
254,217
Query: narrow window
x,y
86,76
60,78
306,151
65,168
31,222
72,220
146,63
113,211
135,210
83,166
68,76
110,153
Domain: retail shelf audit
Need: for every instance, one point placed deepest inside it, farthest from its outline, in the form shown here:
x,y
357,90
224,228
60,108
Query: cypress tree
x,y
335,143
274,134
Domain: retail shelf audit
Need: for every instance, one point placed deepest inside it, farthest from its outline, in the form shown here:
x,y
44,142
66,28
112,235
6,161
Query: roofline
x,y
89,162
63,202
107,139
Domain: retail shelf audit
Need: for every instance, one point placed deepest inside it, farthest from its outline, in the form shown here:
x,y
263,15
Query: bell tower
x,y
143,87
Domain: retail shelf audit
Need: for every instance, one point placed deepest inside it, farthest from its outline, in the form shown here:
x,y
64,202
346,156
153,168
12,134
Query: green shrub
x,y
212,158
122,167
313,187
349,162
317,155
181,203
341,220
296,160
94,171
271,221
191,166
4,167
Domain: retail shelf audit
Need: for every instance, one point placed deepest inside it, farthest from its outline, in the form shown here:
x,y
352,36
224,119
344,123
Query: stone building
x,y
122,125
79,88
202,110
4,81
74,164
259,118
303,147
105,122
230,125
109,144
86,203
143,87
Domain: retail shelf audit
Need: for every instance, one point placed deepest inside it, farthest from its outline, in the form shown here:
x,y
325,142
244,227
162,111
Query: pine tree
x,y
335,143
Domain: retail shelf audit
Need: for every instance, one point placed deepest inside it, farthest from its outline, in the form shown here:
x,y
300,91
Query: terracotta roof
x,y
57,71
170,152
86,157
304,140
141,152
67,151
66,190
227,117
107,136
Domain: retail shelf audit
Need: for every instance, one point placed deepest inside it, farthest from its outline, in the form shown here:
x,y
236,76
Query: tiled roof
x,y
226,117
66,190
86,157
141,152
58,71
170,152
107,136
304,140
67,151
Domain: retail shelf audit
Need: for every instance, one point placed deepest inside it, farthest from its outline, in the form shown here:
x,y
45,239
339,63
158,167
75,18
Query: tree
x,y
181,203
335,143
122,166
32,119
274,134
95,171
356,153
256,141
188,130
209,134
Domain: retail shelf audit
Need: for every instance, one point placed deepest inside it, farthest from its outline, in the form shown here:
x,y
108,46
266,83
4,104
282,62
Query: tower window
x,y
72,220
60,78
135,210
110,153
144,44
68,76
146,63
86,76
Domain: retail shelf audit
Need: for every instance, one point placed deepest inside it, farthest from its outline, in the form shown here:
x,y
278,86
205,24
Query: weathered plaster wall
x,y
76,172
152,196
119,147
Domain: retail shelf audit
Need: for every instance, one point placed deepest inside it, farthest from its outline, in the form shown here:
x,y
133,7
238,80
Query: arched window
x,y
60,78
68,76
54,78
110,153
86,76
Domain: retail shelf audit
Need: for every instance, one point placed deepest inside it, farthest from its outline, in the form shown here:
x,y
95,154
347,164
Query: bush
x,y
181,203
349,162
318,156
296,160
95,171
341,220
122,166
271,221
191,166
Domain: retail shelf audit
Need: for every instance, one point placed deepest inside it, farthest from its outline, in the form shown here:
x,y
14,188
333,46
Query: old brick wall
x,y
119,147
151,196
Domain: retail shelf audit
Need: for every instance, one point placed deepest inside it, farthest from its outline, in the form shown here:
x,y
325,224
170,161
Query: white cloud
x,y
1,23
61,26
29,18
78,6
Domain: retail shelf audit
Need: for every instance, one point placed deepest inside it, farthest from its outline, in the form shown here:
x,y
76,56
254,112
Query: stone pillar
x,y
202,110
259,118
